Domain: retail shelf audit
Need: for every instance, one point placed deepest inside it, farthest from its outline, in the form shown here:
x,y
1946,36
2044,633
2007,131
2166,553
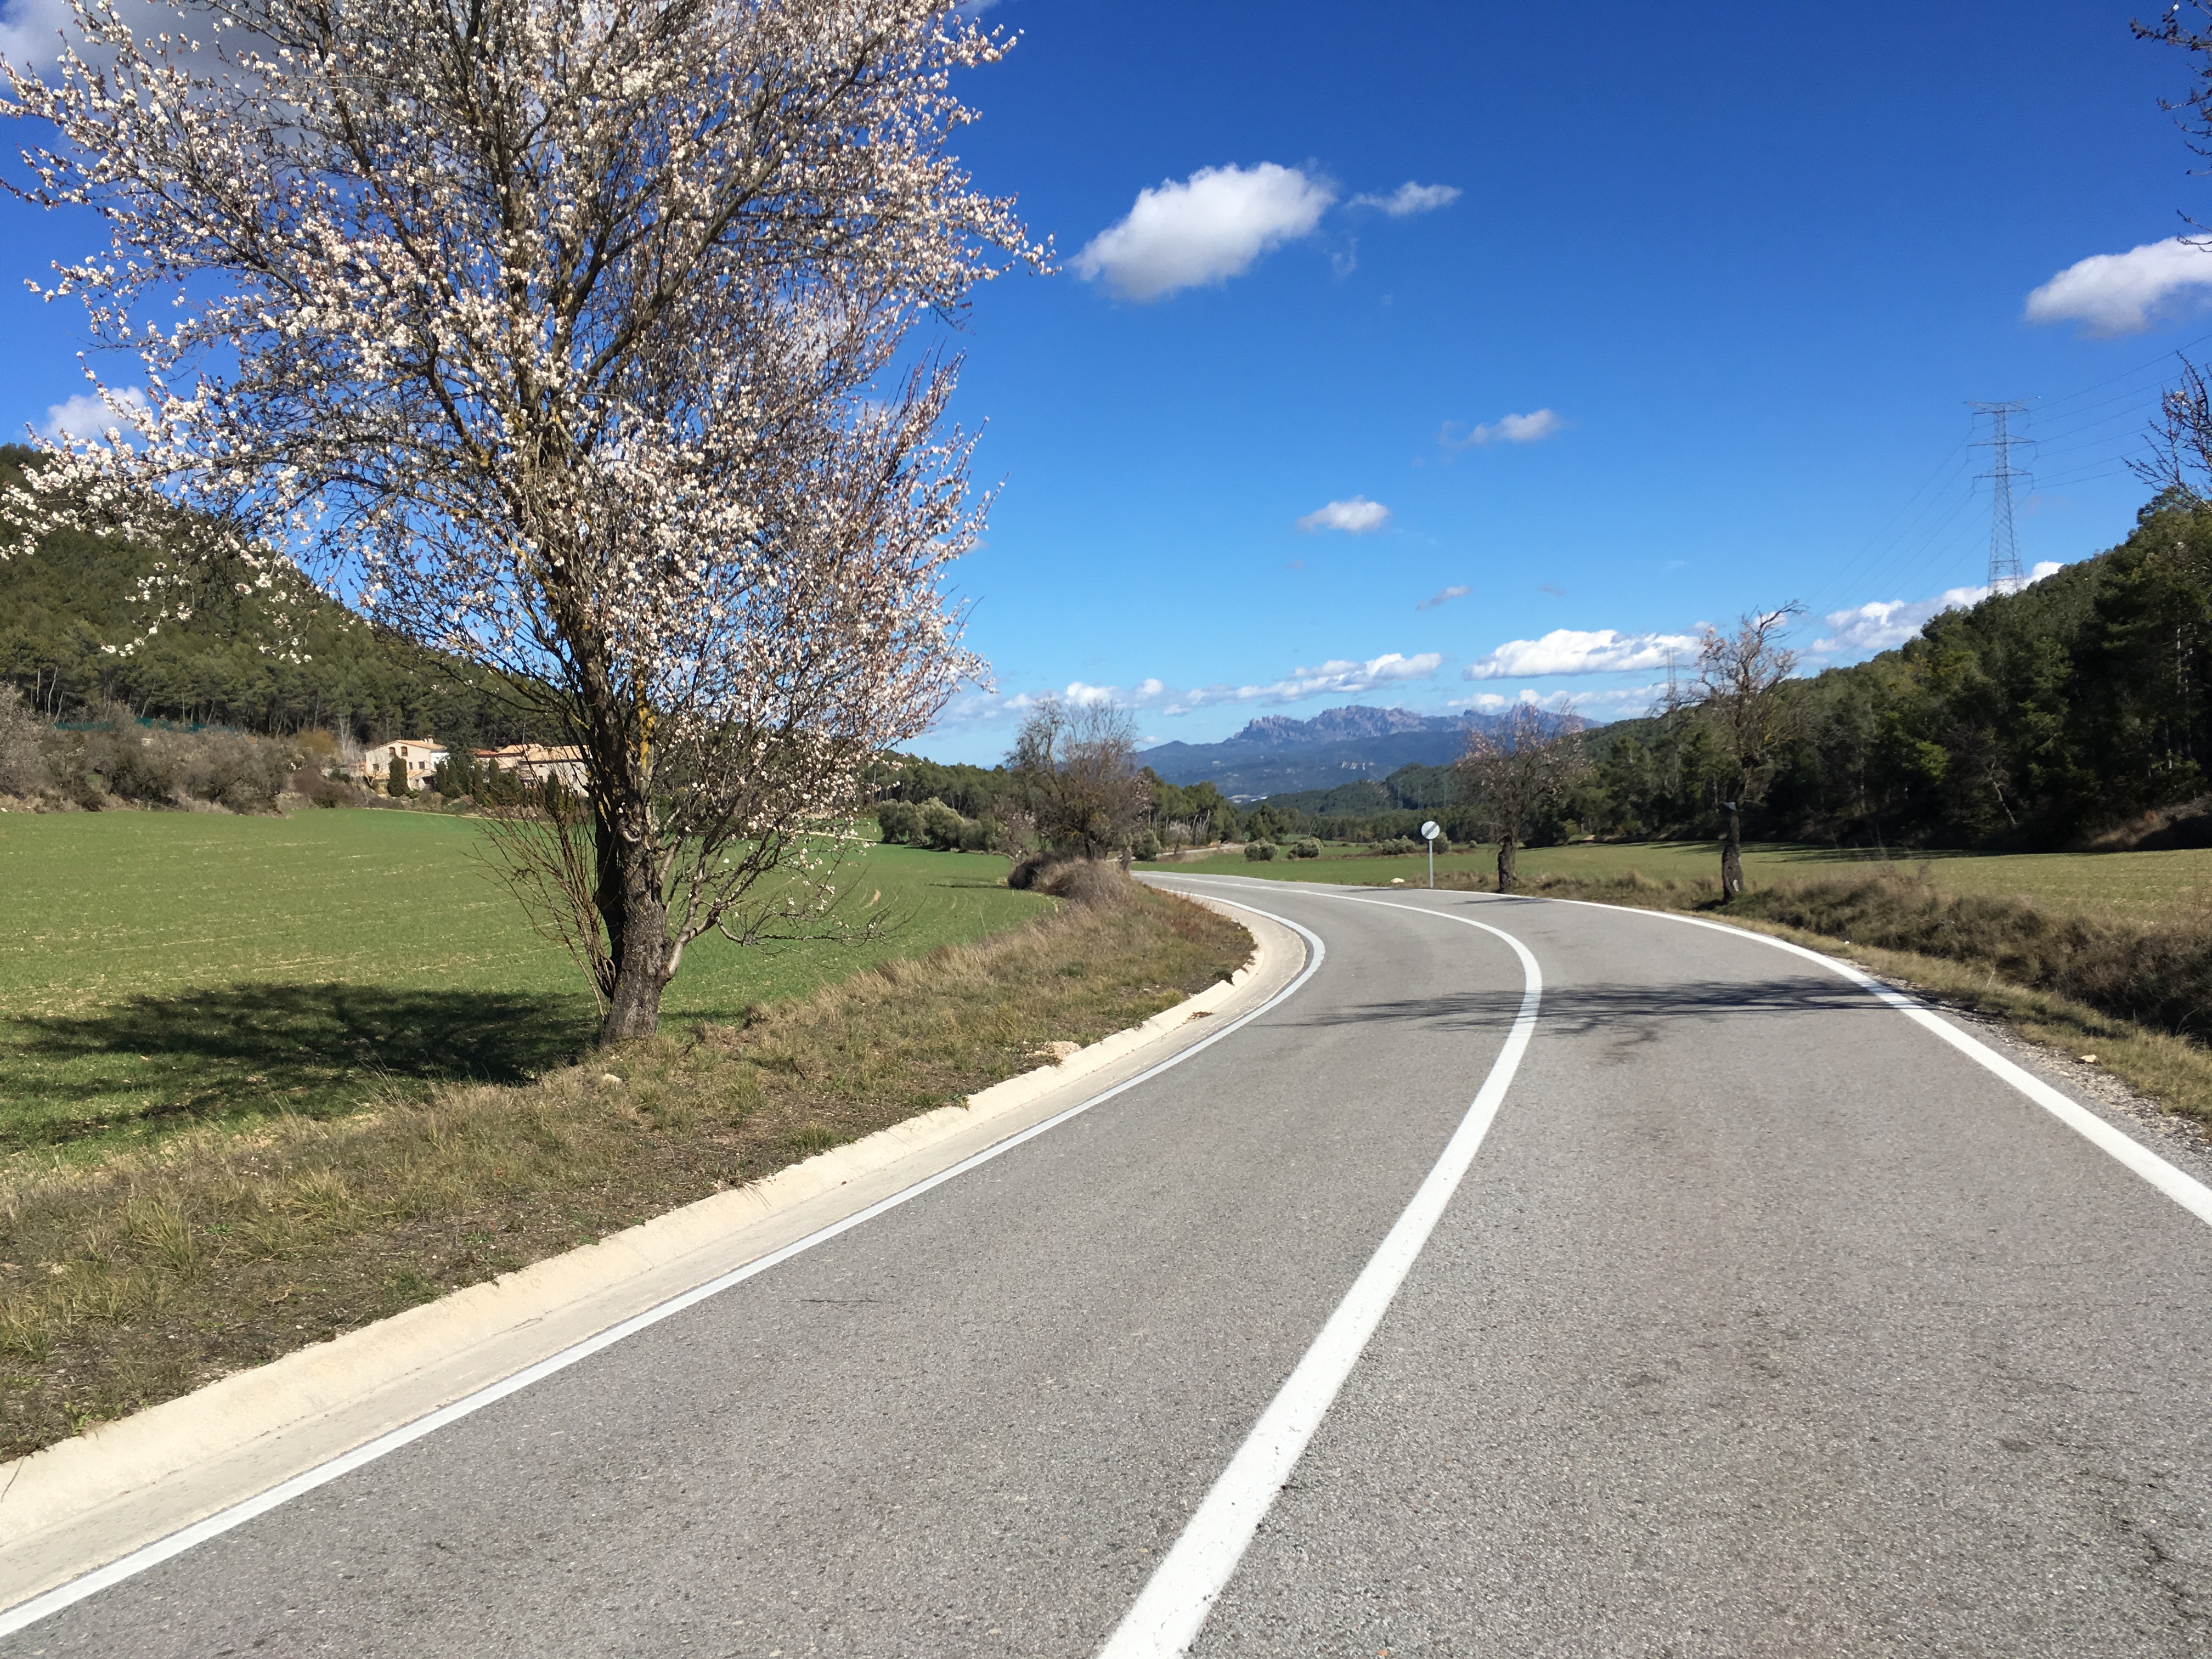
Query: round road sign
x,y
1431,830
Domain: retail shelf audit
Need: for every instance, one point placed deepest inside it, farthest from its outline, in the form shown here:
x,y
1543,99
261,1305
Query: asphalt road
x,y
1762,1322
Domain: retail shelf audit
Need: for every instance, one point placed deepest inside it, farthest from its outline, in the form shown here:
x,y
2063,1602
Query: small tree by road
x,y
1744,700
572,339
1076,769
1511,771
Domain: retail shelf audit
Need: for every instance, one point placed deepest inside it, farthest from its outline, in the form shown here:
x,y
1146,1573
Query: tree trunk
x,y
1731,849
630,904
640,950
1507,845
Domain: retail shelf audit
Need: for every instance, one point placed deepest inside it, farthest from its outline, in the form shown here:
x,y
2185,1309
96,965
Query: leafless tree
x,y
2181,437
1744,699
1511,771
555,334
1076,769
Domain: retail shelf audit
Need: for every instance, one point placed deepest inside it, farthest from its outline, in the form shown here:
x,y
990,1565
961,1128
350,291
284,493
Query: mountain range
x,y
1276,754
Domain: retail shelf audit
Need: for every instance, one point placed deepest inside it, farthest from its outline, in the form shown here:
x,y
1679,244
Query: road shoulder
x,y
75,1506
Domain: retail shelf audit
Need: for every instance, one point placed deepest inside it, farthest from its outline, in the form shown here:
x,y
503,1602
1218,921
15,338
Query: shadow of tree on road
x,y
1584,1008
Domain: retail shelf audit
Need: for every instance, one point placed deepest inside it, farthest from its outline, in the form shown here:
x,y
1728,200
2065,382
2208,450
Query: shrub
x,y
152,765
1397,847
897,820
1259,851
244,774
1083,881
940,826
1305,847
121,757
22,767
1147,845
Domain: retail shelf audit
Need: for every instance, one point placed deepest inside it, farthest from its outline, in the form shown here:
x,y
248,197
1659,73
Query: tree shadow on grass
x,y
318,1051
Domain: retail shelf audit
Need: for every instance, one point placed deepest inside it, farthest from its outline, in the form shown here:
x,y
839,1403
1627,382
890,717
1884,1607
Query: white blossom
x,y
562,335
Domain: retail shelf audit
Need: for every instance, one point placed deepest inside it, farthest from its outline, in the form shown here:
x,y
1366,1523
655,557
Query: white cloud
x,y
1206,229
1886,623
1410,198
2116,292
31,31
1355,517
1444,596
87,417
1532,428
1339,676
1615,703
1574,651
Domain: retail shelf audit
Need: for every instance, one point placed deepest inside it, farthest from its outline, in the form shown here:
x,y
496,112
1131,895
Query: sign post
x,y
1430,831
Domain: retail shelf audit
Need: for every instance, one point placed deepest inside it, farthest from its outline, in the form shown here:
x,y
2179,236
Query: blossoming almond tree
x,y
560,334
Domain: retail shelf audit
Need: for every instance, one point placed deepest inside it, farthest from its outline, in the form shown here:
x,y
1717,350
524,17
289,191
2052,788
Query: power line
x,y
2004,542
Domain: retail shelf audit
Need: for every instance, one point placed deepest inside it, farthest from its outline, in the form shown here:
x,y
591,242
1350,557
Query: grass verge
x,y
161,1268
161,972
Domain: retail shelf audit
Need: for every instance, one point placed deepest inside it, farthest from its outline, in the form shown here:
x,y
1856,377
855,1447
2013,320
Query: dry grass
x,y
135,1279
1998,958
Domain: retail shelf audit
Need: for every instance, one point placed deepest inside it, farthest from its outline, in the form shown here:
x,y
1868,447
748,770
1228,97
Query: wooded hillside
x,y
2035,719
63,608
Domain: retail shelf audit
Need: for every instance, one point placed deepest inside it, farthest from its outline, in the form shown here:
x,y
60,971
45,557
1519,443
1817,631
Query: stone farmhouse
x,y
421,756
534,763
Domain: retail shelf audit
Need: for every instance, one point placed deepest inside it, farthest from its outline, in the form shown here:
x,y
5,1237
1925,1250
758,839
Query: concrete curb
x,y
85,1502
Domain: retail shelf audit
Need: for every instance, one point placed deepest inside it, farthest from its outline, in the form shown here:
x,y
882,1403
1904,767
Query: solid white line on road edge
x,y
2192,1194
53,1600
1168,1612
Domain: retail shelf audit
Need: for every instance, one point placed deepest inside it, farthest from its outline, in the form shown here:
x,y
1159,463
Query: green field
x,y
2142,887
160,969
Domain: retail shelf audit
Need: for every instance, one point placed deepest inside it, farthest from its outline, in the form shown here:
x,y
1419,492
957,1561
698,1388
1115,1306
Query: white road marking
x,y
2192,1194
1168,1613
2184,1189
54,1601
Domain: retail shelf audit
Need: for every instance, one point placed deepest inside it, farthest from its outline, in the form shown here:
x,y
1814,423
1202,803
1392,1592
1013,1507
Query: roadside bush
x,y
1078,880
1259,851
1305,847
1147,847
1396,846
22,767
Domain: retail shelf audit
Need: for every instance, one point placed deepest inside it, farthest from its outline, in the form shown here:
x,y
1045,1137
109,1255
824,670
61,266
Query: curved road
x,y
1761,1320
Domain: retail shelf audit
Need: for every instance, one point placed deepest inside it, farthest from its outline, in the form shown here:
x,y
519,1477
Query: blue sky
x,y
1696,333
